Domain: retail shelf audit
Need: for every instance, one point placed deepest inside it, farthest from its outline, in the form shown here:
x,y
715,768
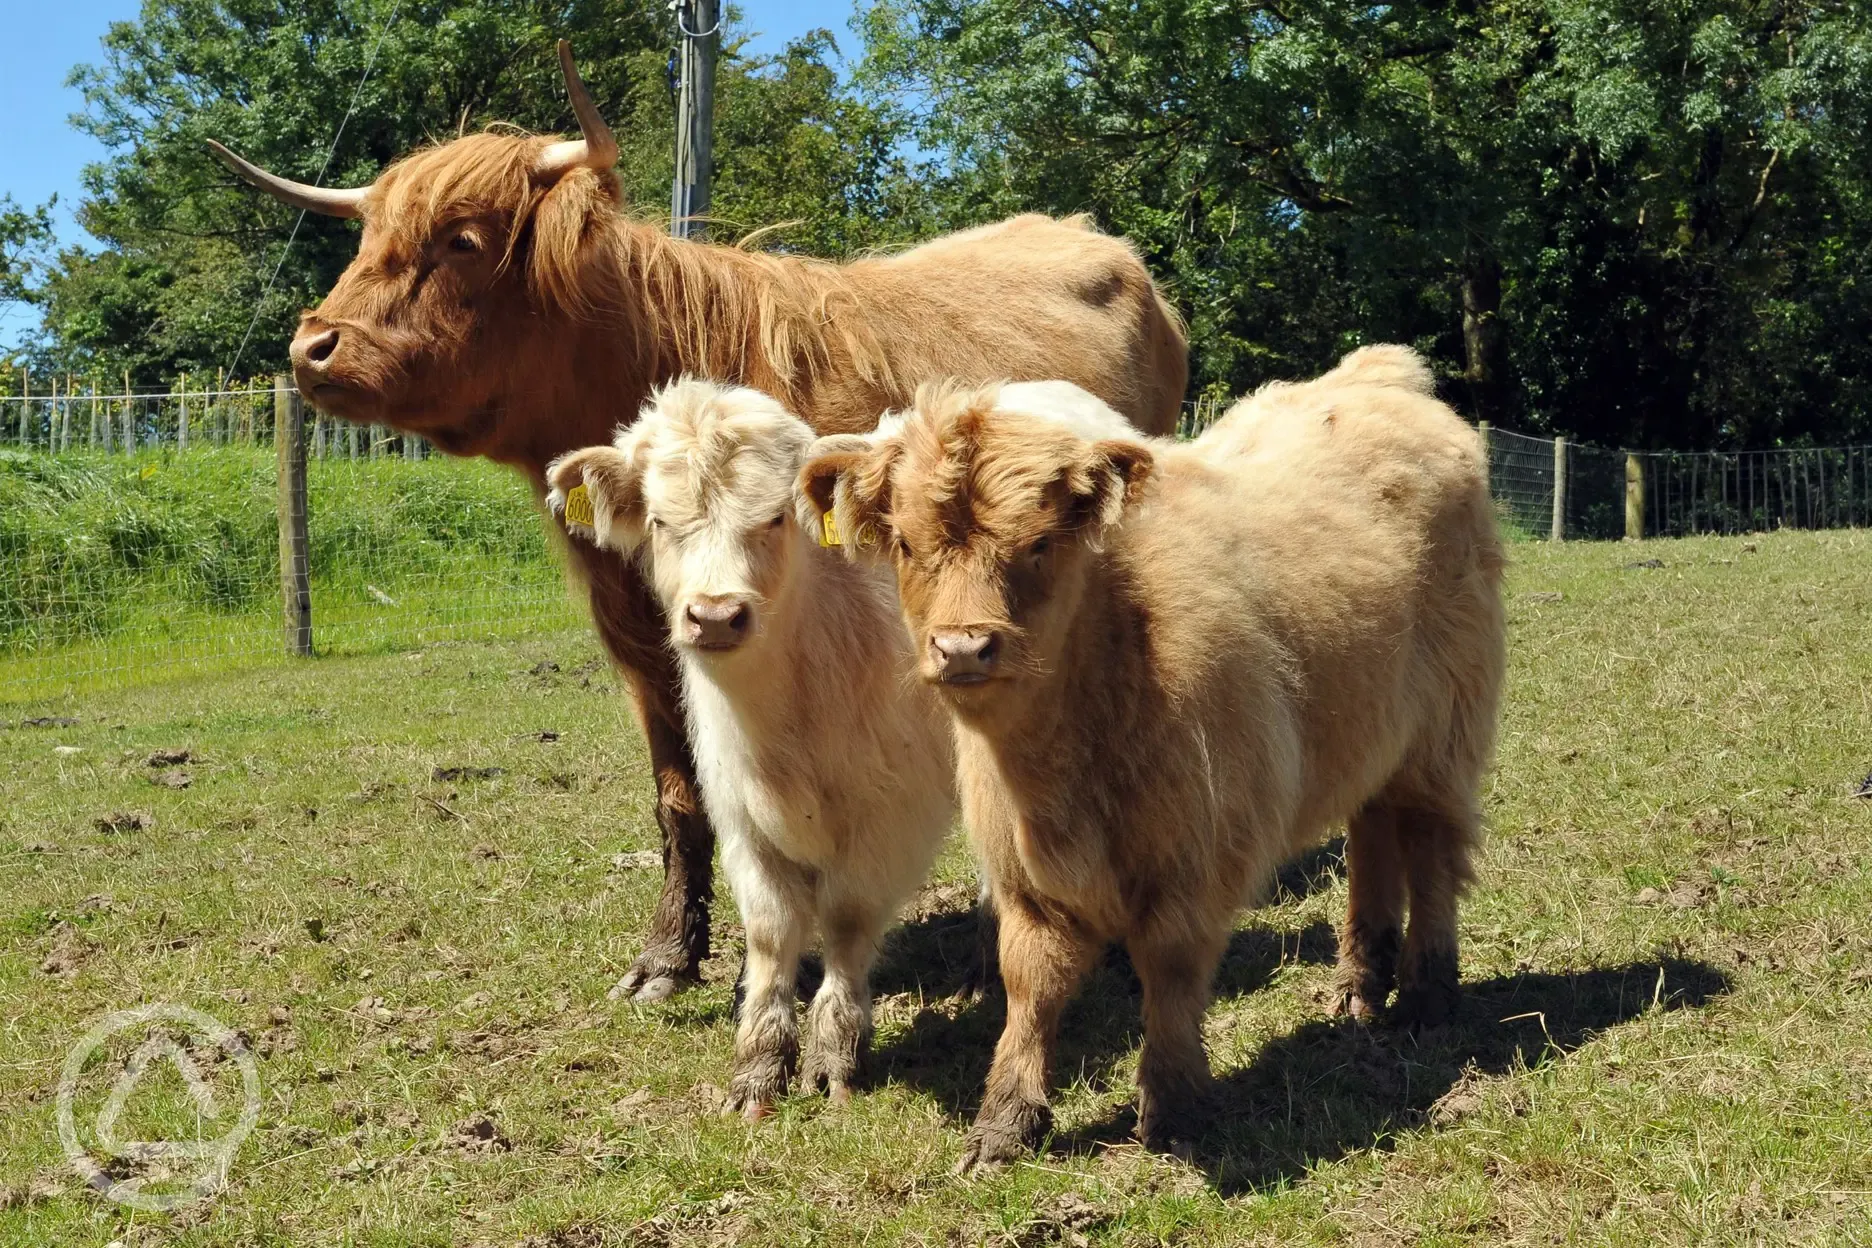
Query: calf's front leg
x,y
839,1020
1173,1070
1044,954
776,901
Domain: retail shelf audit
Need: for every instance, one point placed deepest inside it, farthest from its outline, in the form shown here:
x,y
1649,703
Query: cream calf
x,y
826,765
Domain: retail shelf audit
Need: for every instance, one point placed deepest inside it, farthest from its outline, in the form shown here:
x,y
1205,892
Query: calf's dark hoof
x,y
1004,1134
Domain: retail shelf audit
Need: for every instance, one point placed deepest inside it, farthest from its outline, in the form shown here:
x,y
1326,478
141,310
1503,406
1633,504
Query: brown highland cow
x,y
501,304
1171,667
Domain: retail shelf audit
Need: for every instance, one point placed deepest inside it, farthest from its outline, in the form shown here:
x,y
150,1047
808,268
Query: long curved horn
x,y
329,201
597,149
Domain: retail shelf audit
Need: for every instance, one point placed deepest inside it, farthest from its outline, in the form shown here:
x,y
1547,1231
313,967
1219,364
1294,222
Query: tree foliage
x,y
25,234
1638,221
189,251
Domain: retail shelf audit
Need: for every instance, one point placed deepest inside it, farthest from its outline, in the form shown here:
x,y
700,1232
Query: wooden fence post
x,y
25,406
1634,496
289,445
181,436
1559,491
129,429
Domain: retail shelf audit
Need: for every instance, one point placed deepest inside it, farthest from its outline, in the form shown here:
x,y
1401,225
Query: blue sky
x,y
40,154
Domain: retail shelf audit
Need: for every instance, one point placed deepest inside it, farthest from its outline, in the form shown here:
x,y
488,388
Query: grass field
x,y
1667,1035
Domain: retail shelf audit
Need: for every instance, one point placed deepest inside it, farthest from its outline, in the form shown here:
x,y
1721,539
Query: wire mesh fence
x,y
68,415
126,565
1603,493
141,533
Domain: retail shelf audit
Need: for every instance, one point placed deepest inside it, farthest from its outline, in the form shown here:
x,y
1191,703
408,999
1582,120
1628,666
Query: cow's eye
x,y
464,242
777,521
1040,547
903,549
655,523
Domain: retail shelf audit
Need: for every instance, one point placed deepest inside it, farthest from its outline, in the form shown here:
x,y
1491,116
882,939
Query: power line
x,y
370,64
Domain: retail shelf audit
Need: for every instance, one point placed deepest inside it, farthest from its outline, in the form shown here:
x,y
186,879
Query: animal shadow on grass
x,y
947,1050
1333,1087
944,950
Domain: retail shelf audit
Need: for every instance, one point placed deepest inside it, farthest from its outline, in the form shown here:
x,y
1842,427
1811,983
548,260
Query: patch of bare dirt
x,y
477,1134
449,775
120,821
69,950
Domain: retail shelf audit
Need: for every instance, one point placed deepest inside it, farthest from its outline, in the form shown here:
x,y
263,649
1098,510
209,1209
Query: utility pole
x,y
698,32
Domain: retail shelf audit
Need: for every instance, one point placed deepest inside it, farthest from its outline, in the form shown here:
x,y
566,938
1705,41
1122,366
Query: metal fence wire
x,y
1603,493
158,551
143,535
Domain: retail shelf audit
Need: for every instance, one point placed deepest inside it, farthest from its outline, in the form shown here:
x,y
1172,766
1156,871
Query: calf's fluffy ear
x,y
613,480
848,478
1109,479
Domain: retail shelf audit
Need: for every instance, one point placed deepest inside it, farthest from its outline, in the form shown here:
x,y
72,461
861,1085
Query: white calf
x,y
827,768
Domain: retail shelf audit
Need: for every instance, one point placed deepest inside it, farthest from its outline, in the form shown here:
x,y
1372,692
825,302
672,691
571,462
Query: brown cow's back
x,y
1027,299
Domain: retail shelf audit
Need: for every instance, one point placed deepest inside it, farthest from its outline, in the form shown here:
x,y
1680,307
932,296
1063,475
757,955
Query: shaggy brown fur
x,y
500,315
1171,667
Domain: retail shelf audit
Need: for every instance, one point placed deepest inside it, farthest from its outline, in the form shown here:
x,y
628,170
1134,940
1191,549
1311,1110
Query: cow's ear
x,y
1107,479
843,492
612,512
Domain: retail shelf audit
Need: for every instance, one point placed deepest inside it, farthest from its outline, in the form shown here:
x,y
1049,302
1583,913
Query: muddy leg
x,y
1043,957
776,900
1436,849
630,623
1374,920
678,939
839,1020
1173,1069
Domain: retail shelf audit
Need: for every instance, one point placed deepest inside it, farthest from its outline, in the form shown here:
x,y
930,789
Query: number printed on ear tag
x,y
829,530
578,508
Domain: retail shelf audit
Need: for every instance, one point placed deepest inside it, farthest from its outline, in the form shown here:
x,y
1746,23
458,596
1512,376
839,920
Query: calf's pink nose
x,y
717,621
963,656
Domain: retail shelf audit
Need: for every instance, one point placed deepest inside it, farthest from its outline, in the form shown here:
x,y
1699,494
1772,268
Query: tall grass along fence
x,y
220,528
145,535
1560,490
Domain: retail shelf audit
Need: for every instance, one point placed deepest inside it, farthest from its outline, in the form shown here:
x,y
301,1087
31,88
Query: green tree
x,y
1636,221
25,236
188,251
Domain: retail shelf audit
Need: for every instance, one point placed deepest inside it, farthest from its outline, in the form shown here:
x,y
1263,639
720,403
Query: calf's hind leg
x,y
1436,844
1374,918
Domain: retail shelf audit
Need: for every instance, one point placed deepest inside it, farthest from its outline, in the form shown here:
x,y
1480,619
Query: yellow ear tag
x,y
578,508
829,530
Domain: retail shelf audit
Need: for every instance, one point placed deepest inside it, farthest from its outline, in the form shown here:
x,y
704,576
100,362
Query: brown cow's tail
x,y
1386,364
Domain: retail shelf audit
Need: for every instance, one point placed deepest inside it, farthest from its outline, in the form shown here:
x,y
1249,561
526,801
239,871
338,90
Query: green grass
x,y
1667,1036
120,568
